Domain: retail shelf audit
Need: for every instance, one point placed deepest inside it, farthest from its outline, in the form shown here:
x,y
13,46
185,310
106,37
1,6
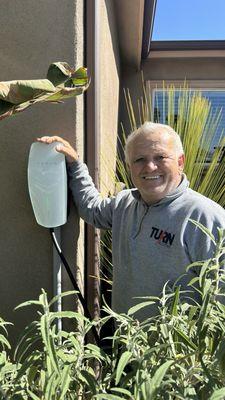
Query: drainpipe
x,y
92,148
57,278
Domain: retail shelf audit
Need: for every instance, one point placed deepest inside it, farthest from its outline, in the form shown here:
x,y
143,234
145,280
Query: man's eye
x,y
139,159
160,158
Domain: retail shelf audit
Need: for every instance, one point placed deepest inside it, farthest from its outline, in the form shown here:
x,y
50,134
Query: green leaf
x,y
80,77
185,339
4,341
67,314
89,380
218,394
49,342
28,303
16,96
96,352
16,92
51,387
158,377
33,396
204,230
61,295
123,361
107,397
122,391
59,73
174,310
65,381
139,306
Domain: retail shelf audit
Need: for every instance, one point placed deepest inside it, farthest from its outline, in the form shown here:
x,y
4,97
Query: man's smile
x,y
147,177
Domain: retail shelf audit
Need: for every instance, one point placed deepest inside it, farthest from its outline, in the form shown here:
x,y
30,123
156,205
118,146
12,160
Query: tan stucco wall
x,y
35,34
109,95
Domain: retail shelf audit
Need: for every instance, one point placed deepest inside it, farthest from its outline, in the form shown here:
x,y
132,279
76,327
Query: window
x,y
216,97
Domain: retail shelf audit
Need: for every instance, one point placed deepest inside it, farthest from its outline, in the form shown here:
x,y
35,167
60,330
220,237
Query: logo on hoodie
x,y
162,237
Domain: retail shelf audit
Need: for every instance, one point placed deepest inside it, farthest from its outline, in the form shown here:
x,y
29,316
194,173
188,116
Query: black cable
x,y
74,283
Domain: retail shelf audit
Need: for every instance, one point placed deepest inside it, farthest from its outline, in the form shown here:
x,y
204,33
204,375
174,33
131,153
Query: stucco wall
x,y
164,69
109,95
33,35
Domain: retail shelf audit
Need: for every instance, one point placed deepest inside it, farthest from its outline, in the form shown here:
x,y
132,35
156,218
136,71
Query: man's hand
x,y
64,147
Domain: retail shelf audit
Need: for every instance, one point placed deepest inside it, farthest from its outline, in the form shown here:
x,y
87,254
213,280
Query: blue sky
x,y
189,20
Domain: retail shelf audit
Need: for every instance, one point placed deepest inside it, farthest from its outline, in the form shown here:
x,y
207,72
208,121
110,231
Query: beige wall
x,y
33,35
109,95
49,31
168,69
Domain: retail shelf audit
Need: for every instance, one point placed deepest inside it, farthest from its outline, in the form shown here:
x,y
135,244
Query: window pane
x,y
216,98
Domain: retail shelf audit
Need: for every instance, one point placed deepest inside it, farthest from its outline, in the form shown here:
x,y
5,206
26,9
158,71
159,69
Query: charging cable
x,y
74,283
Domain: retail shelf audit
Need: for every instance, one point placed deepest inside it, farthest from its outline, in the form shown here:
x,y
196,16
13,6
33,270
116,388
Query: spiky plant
x,y
192,116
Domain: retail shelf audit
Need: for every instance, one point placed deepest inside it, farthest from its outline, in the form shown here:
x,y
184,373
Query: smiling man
x,y
156,161
153,238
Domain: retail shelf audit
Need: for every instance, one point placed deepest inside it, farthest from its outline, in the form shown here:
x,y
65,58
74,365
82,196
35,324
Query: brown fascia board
x,y
129,19
149,16
181,45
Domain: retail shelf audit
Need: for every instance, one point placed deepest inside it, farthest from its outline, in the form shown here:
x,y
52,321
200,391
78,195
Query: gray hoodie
x,y
151,244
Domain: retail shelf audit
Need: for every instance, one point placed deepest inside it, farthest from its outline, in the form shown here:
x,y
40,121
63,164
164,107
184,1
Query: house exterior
x,y
111,38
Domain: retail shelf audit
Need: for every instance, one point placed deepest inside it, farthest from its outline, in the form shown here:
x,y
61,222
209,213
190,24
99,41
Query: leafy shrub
x,y
178,354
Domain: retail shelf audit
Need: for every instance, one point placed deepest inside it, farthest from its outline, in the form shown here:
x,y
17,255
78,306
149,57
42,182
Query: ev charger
x,y
47,183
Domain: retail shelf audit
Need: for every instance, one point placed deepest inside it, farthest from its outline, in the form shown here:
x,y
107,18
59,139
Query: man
x,y
153,237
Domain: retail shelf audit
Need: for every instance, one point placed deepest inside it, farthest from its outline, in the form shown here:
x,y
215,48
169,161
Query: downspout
x,y
92,149
57,279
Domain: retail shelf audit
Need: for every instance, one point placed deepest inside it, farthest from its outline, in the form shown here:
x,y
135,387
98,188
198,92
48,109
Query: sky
x,y
189,20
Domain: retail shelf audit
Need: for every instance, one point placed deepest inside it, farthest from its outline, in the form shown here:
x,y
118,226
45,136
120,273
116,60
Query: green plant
x,y
191,115
176,355
51,364
62,82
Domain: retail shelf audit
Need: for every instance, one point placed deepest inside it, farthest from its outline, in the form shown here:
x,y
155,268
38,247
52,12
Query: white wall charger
x,y
47,183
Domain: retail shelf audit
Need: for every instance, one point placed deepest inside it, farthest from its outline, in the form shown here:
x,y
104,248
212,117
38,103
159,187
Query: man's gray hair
x,y
152,127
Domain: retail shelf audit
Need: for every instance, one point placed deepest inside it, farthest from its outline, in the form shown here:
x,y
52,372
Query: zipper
x,y
147,208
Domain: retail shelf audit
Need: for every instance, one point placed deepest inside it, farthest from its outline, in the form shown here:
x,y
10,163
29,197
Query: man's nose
x,y
151,165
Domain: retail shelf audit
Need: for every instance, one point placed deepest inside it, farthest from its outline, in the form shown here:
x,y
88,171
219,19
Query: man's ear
x,y
181,160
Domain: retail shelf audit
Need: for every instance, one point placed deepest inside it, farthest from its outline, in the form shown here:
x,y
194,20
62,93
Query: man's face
x,y
154,165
